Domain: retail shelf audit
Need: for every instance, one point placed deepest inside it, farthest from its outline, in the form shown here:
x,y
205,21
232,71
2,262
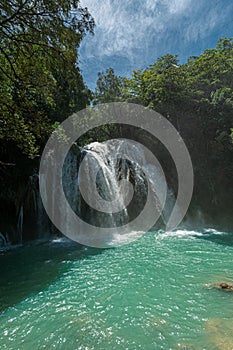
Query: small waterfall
x,y
3,240
37,211
32,221
20,225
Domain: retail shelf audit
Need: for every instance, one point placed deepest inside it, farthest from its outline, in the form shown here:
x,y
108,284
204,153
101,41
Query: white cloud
x,y
122,26
141,30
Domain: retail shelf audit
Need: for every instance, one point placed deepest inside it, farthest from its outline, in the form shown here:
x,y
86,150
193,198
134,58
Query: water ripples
x,y
152,294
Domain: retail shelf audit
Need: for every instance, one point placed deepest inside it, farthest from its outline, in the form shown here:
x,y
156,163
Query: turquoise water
x,y
156,293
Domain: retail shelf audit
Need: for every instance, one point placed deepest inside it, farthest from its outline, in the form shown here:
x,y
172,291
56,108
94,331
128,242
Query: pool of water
x,y
156,293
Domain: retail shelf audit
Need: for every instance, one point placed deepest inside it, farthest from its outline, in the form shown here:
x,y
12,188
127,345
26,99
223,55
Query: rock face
x,y
25,219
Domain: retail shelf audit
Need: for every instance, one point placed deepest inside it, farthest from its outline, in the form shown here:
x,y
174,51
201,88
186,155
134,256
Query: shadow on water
x,y
33,267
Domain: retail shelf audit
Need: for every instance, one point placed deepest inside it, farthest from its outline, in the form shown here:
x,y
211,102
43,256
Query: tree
x,y
56,26
40,80
40,85
109,87
203,86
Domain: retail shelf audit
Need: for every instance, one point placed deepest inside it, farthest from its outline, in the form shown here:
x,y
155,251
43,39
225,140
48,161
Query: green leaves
x,y
109,87
40,82
197,96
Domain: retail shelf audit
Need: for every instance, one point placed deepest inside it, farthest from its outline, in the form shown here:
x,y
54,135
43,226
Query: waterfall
x,y
110,187
116,189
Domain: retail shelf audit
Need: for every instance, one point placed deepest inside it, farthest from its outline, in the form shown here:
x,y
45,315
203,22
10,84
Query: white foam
x,y
182,233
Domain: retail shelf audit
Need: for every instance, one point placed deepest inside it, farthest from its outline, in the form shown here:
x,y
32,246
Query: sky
x,y
132,34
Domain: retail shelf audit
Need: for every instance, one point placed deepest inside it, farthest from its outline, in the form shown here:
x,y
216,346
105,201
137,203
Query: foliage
x,y
202,88
195,95
40,80
197,98
109,87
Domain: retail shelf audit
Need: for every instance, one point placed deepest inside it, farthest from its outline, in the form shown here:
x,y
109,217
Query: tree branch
x,y
9,19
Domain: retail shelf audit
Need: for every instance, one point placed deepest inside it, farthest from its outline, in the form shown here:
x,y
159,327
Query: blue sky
x,y
133,34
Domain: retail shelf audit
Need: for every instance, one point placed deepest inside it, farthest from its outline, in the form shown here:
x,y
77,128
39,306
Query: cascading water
x,y
108,196
108,188
20,225
32,222
3,240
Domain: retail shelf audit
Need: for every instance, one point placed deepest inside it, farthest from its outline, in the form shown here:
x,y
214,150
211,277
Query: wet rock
x,y
226,286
